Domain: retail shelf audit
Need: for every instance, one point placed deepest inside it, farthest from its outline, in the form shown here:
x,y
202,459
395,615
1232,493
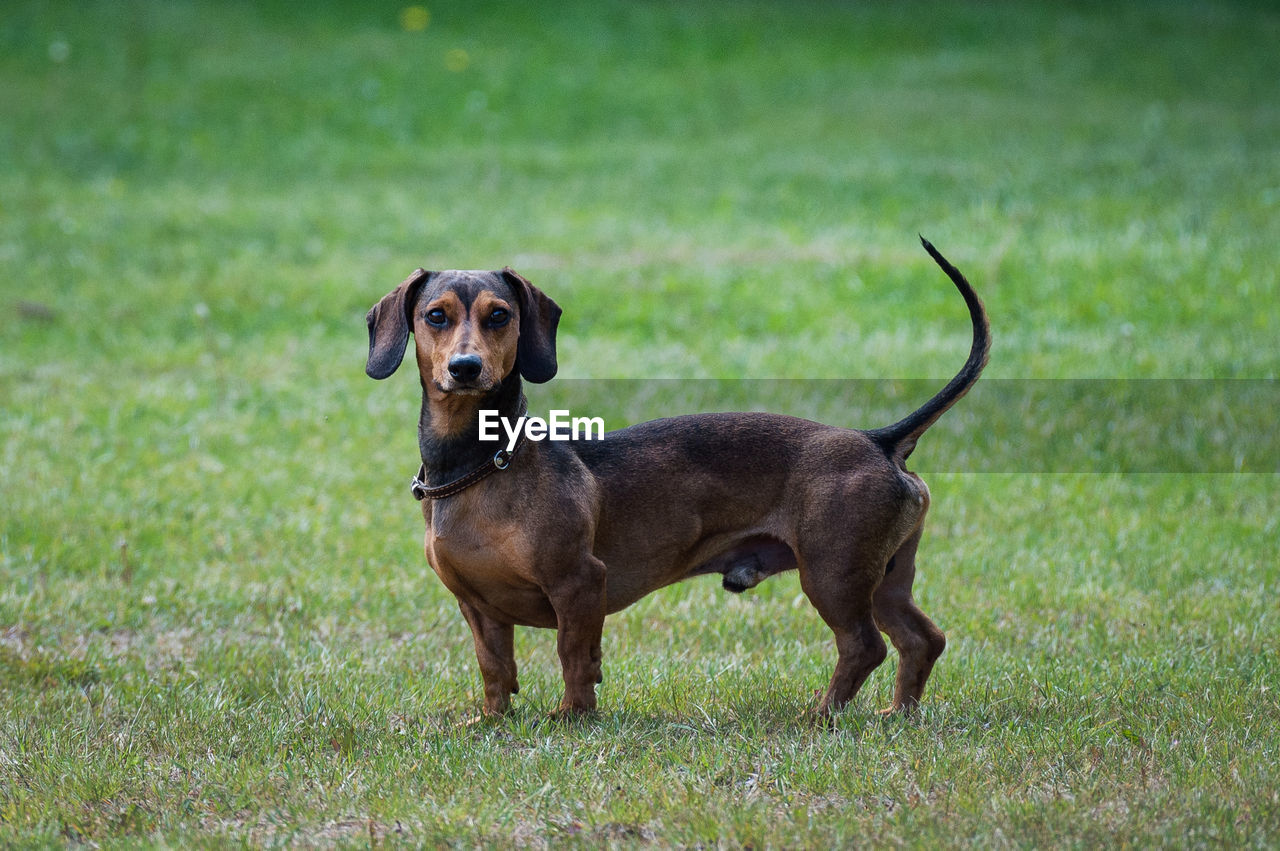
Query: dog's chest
x,y
487,567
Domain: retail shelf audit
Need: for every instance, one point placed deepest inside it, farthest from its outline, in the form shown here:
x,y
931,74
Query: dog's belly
x,y
744,557
749,563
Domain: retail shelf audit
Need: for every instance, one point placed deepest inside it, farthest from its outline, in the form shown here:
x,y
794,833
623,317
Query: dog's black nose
x,y
465,367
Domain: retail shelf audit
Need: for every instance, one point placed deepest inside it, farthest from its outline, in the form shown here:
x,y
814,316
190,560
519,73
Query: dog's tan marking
x,y
466,330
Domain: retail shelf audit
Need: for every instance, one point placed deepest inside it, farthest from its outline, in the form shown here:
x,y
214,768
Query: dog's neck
x,y
449,430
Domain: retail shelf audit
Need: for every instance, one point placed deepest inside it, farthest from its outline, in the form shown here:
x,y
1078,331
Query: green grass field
x,y
216,625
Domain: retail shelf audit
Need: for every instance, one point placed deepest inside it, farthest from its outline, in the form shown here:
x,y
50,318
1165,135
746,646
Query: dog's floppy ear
x,y
539,318
388,322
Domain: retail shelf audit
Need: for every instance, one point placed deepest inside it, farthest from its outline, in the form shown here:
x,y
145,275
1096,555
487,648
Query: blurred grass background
x,y
214,616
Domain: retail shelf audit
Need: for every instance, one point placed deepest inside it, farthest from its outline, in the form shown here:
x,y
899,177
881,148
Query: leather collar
x,y
501,460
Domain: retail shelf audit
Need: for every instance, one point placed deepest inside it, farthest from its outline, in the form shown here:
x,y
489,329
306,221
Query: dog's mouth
x,y
465,388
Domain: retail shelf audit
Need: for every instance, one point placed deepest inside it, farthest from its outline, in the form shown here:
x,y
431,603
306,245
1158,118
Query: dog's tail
x,y
899,439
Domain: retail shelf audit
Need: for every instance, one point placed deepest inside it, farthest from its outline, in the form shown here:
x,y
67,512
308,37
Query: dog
x,y
559,535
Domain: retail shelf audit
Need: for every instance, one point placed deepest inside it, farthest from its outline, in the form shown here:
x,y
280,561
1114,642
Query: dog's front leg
x,y
495,651
579,603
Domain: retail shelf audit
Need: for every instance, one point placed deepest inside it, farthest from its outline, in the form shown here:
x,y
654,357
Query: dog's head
x,y
472,330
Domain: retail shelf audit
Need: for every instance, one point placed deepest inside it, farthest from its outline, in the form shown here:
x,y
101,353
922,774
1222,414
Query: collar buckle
x,y
418,487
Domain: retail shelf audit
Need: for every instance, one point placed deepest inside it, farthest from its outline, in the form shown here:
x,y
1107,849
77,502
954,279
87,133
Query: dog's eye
x,y
499,318
436,316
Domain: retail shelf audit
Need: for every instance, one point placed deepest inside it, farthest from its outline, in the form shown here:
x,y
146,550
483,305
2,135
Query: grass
x,y
215,622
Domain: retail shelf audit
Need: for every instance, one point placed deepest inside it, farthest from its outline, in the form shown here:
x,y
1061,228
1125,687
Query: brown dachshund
x,y
561,534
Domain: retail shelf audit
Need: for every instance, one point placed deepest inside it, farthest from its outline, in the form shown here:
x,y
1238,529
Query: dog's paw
x,y
570,714
820,718
906,709
477,721
821,715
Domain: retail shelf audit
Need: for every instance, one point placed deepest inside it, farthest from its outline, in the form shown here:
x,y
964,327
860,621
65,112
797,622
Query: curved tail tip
x,y
938,258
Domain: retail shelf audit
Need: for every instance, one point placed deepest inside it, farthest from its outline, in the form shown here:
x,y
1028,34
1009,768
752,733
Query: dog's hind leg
x,y
495,651
917,639
842,592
